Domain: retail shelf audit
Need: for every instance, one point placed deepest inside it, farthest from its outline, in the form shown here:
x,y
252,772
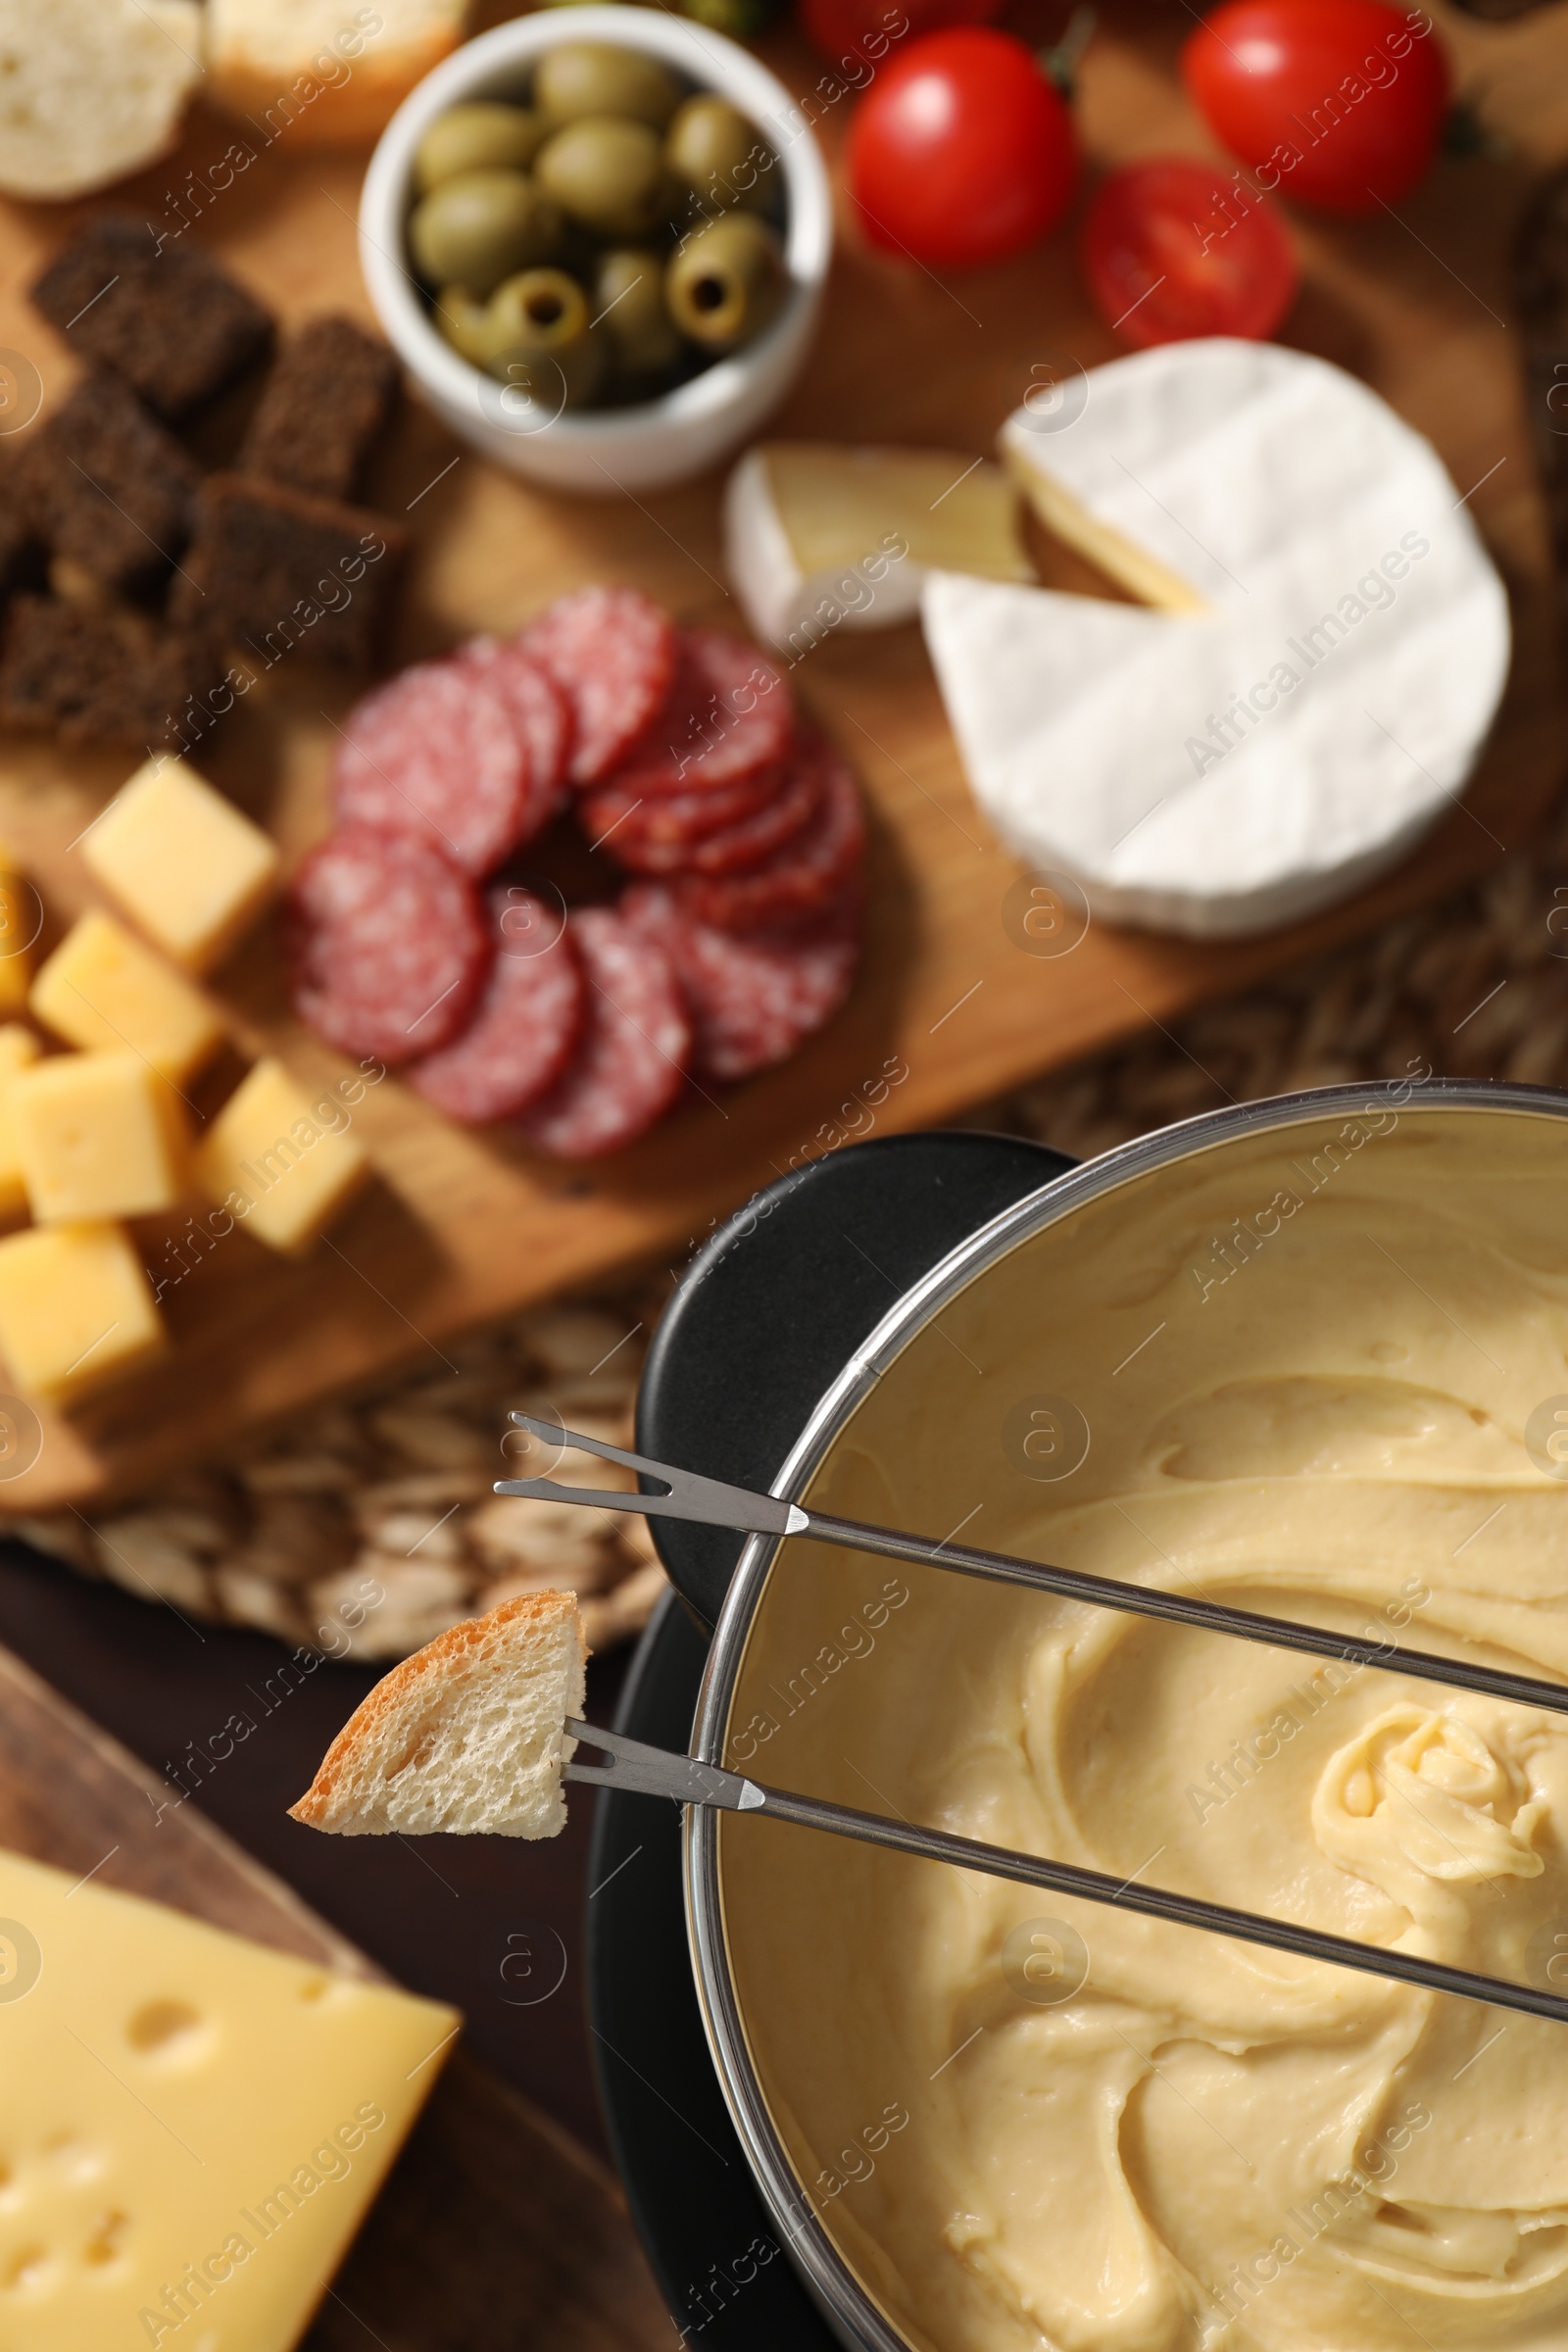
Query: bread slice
x,y
90,90
467,1737
325,73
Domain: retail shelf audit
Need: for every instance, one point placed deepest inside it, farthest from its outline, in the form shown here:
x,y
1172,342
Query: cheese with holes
x,y
818,538
76,1311
103,990
192,2127
98,1134
1327,650
181,861
280,1161
19,1051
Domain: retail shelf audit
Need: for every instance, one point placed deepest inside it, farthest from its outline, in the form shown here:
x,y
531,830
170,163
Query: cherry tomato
x,y
1338,102
1175,247
840,29
962,150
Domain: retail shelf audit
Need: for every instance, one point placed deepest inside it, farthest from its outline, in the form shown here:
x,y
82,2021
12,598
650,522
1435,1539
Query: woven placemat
x,y
368,1528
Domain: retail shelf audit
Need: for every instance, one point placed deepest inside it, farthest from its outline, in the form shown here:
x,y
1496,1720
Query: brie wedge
x,y
1332,648
818,538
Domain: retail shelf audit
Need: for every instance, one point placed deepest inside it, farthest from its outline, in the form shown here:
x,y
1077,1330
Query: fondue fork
x,y
645,1771
710,1502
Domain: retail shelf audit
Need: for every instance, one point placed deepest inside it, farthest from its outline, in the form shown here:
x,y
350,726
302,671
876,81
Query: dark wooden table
x,y
435,1913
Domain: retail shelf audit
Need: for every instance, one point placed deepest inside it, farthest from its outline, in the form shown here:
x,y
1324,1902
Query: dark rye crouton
x,y
106,487
324,403
271,571
98,674
163,315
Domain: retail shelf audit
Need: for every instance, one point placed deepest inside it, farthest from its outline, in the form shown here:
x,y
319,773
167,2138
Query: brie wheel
x,y
1332,648
818,538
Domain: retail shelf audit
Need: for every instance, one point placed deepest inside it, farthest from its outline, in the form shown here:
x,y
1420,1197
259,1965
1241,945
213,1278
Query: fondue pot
x,y
834,1284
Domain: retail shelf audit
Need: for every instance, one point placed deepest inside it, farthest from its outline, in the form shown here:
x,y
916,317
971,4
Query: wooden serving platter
x,y
494,2231
949,1010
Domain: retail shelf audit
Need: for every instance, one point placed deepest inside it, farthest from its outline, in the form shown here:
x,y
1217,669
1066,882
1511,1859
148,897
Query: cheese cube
x,y
75,1308
18,1050
102,990
277,1162
182,861
194,2126
98,1134
21,915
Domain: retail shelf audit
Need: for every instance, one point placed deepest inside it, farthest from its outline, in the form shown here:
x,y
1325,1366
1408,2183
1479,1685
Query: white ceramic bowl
x,y
658,441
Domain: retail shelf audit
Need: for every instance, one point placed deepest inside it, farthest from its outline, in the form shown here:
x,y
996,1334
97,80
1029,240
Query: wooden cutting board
x,y
948,1010
494,2232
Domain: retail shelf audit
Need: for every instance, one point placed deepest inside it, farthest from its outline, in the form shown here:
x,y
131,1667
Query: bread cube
x,y
98,1134
281,1168
75,1309
182,861
102,990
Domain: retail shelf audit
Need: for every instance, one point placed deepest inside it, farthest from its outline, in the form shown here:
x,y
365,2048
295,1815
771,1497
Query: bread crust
x,y
459,1644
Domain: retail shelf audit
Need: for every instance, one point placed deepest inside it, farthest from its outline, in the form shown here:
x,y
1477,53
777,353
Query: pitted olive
x,y
712,150
481,226
476,138
608,175
592,78
629,304
538,327
725,282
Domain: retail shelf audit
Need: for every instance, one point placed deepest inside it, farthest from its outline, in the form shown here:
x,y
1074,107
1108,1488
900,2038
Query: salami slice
x,y
612,651
522,1031
672,820
436,752
731,715
809,871
734,848
543,719
752,1000
631,1058
388,944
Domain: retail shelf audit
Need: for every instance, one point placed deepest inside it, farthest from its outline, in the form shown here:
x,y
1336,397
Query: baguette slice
x,y
467,1737
90,90
326,73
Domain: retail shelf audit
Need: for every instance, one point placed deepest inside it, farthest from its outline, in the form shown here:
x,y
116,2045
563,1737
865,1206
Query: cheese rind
x,y
102,990
193,2125
98,1136
819,537
181,861
76,1311
270,1147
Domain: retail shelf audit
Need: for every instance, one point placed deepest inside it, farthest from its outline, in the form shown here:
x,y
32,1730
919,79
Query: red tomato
x,y
962,151
1173,249
1338,102
841,28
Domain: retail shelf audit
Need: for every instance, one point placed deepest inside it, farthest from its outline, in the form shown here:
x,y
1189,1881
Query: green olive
x,y
725,282
478,228
589,78
713,150
464,322
629,304
538,327
476,138
607,173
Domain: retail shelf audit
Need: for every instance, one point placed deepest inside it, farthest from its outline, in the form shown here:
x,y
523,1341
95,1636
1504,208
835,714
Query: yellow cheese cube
x,y
18,1050
21,915
182,861
193,2125
102,990
98,1134
290,1163
75,1308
